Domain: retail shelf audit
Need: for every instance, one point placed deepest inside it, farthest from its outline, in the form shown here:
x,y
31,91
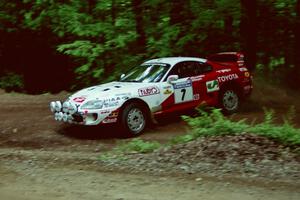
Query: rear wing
x,y
228,59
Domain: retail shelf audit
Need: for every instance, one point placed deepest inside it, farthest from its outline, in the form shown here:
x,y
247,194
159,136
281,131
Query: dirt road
x,y
41,159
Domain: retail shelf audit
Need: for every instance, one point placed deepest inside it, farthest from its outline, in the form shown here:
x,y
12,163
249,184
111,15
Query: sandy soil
x,y
41,159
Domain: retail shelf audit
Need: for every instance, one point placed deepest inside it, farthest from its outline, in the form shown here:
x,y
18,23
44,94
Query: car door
x,y
190,88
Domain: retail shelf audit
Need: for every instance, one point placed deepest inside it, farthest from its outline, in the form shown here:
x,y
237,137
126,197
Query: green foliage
x,y
209,123
137,145
134,146
214,123
12,82
102,36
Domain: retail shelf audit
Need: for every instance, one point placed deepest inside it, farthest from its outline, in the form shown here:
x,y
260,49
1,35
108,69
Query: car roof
x,y
174,60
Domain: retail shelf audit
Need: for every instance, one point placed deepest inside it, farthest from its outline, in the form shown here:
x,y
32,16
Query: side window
x,y
189,69
179,69
204,68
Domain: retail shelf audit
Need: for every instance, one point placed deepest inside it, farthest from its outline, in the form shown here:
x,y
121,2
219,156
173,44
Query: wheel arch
x,y
140,102
234,85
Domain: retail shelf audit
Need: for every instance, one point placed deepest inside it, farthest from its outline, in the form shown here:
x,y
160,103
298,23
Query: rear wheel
x,y
133,119
229,100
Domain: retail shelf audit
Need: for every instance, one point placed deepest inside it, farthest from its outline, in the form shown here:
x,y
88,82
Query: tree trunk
x,y
297,40
228,30
248,30
176,12
138,13
113,12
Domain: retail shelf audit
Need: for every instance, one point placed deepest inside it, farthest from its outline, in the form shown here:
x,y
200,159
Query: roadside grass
x,y
136,145
214,123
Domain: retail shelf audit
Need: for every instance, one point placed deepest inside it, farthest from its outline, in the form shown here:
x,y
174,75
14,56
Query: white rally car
x,y
156,87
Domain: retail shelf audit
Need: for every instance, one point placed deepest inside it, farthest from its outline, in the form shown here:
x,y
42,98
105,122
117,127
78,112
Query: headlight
x,y
99,104
94,104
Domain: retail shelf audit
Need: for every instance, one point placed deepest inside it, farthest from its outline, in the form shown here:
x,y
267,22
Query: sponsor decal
x,y
79,99
148,91
223,70
167,87
109,120
113,99
184,84
114,114
197,78
247,74
212,86
167,91
247,87
240,63
104,112
229,77
196,97
243,69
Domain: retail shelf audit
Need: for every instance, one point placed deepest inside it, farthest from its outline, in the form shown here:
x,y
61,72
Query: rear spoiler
x,y
228,58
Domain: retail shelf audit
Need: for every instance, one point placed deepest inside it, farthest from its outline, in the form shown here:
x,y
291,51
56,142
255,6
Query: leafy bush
x,y
214,123
209,123
11,82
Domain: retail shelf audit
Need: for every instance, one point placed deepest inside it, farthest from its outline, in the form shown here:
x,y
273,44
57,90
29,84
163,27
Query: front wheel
x,y
229,100
133,119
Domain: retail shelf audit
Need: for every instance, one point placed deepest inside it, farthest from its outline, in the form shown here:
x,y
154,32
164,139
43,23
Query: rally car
x,y
160,86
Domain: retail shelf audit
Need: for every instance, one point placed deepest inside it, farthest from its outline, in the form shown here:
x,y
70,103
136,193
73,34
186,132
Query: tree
x,y
137,7
248,29
297,42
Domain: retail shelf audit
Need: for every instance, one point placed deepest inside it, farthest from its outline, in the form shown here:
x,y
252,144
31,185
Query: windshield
x,y
146,73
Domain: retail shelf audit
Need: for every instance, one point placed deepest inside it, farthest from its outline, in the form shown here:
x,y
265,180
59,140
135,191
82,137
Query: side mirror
x,y
172,78
122,76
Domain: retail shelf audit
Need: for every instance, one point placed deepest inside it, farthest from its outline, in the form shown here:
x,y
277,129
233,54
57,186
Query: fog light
x,y
52,106
58,106
65,117
60,116
65,107
72,108
56,116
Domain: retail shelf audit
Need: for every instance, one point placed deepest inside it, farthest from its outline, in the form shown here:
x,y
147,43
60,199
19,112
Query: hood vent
x,y
91,89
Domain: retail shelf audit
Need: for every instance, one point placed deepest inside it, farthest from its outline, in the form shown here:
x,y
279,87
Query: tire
x,y
229,100
133,120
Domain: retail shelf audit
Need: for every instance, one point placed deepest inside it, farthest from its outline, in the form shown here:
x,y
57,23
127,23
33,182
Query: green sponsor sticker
x,y
212,86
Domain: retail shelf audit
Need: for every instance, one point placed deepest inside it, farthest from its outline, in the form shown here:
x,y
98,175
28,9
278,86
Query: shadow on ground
x,y
90,132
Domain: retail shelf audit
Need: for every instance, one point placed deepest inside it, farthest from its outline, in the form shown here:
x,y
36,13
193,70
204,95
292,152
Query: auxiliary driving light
x,y
65,117
56,116
72,108
65,107
52,106
58,106
60,116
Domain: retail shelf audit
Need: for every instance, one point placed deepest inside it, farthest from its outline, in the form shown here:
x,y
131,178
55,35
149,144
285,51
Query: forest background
x,y
54,45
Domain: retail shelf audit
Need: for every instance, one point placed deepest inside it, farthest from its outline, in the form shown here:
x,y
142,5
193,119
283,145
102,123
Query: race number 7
x,y
183,91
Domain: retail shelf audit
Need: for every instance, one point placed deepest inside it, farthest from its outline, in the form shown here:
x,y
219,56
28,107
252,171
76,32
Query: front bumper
x,y
73,115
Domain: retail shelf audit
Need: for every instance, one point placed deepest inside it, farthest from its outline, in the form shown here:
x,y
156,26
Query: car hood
x,y
107,90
